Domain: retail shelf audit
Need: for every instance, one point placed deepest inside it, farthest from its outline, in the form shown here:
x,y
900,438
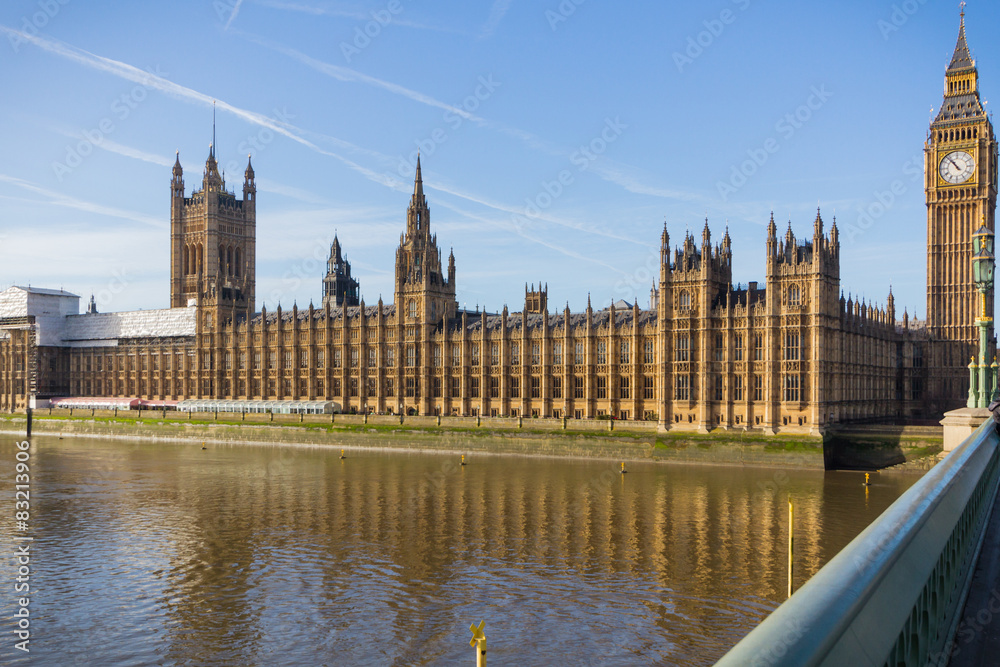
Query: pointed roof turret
x,y
962,59
418,182
335,250
248,174
961,87
212,180
178,170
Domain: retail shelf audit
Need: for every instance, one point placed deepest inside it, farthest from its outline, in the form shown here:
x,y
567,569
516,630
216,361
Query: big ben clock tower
x,y
960,171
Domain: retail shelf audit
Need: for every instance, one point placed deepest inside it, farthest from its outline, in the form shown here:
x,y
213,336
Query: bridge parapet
x,y
893,595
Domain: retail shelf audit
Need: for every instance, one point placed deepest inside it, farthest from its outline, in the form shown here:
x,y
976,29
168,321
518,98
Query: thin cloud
x,y
128,151
265,185
351,14
232,17
508,226
498,11
350,75
115,147
58,199
543,217
156,82
625,177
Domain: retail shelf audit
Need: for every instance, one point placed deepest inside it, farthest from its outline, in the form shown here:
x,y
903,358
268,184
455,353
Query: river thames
x,y
168,554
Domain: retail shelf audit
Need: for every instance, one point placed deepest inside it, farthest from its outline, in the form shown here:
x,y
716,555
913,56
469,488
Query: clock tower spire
x,y
960,172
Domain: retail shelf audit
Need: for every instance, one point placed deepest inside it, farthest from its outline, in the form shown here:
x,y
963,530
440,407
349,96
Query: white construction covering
x,y
48,306
106,329
58,322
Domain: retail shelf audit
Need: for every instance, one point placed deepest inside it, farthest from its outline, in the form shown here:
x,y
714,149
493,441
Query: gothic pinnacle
x,y
962,59
418,181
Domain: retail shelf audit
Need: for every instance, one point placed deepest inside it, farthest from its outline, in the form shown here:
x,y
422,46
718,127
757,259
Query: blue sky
x,y
557,136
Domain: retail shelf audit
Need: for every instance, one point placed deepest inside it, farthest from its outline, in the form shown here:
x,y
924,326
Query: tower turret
x,y
339,288
422,290
212,180
960,178
213,244
177,182
249,185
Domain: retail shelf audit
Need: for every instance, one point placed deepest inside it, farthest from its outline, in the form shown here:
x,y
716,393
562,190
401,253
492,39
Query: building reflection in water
x,y
279,555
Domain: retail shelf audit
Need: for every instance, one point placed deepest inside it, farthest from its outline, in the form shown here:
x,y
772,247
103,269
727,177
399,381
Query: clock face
x,y
957,167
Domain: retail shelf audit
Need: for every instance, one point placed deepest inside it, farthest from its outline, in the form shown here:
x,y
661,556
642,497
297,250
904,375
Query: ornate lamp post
x,y
982,376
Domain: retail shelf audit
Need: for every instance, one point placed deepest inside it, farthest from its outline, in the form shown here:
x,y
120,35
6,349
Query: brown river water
x,y
168,554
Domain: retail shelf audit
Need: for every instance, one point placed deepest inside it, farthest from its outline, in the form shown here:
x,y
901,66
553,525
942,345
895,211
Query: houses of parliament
x,y
790,354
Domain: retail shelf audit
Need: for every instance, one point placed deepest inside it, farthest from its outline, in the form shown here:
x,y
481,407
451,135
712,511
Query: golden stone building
x,y
789,355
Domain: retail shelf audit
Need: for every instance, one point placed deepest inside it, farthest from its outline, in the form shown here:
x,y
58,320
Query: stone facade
x,y
960,171
789,355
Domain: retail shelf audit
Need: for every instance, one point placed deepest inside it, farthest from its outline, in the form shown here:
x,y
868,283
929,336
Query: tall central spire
x,y
418,183
418,215
962,59
961,83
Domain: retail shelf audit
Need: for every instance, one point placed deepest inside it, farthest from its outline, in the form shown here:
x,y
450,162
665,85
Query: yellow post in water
x,y
791,542
478,642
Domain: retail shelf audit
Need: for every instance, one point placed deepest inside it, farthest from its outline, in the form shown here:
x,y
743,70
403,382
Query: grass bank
x,y
590,439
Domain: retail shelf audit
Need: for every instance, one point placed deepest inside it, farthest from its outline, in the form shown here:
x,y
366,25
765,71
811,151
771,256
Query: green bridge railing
x,y
893,596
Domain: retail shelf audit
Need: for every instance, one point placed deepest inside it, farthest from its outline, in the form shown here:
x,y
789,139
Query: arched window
x,y
411,309
229,261
684,301
236,256
201,258
794,296
186,254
